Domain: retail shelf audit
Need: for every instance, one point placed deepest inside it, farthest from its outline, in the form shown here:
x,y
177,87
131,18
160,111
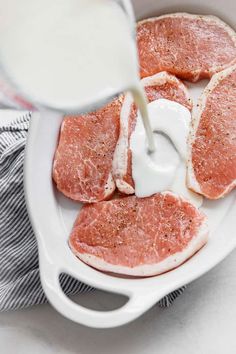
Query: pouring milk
x,y
71,55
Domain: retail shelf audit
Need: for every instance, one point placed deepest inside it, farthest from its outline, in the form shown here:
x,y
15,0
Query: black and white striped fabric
x,y
19,274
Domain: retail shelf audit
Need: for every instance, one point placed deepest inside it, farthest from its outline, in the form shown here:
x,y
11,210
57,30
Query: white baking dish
x,y
52,215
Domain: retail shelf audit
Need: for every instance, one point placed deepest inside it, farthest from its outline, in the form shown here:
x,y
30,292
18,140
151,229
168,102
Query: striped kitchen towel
x,y
19,273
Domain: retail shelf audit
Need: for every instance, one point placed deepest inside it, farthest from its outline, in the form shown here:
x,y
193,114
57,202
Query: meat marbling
x,y
138,236
82,166
212,140
191,47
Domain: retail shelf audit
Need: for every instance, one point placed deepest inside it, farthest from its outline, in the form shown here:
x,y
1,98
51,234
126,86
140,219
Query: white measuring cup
x,y
97,92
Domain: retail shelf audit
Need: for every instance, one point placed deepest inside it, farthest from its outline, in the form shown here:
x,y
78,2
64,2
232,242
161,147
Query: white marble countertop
x,y
201,321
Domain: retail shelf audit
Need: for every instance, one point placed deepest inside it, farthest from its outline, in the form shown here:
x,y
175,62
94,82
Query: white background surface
x,y
201,321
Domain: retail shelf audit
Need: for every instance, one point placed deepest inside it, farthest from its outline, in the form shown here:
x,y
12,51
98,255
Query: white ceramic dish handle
x,y
136,305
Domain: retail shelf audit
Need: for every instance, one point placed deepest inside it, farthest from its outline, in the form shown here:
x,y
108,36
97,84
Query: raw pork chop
x,y
161,85
138,236
212,161
190,46
83,160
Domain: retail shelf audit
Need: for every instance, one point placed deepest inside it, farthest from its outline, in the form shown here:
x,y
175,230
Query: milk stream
x,y
141,102
165,169
70,55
